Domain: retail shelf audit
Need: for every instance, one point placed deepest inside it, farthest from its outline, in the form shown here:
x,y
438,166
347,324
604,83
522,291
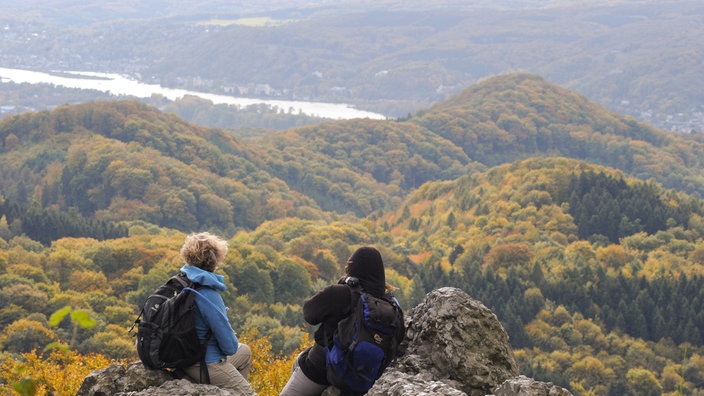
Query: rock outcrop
x,y
136,380
454,346
456,340
524,386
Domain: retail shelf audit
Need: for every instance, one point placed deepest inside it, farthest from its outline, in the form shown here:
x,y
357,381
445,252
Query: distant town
x,y
33,47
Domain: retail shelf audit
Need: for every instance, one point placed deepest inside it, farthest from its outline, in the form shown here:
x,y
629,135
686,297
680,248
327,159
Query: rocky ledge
x,y
455,346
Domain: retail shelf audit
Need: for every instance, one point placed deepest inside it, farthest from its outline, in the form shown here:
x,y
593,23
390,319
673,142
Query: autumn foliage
x,y
581,229
58,372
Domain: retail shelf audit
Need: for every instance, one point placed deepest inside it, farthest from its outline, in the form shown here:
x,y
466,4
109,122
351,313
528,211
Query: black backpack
x,y
166,332
365,342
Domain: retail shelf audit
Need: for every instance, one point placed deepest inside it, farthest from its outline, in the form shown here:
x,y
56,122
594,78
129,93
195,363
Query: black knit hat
x,y
366,265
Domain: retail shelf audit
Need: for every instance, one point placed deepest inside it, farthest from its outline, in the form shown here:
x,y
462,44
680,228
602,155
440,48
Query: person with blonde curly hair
x,y
228,361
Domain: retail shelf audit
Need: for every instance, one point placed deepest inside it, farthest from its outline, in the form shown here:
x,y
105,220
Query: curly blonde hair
x,y
204,250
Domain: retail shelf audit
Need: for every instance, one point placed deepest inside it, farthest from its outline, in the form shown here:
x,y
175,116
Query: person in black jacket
x,y
327,308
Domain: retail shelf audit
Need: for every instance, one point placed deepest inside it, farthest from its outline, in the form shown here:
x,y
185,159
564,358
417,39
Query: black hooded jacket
x,y
334,303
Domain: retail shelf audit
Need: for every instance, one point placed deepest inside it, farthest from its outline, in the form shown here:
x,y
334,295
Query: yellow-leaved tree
x,y
58,371
270,372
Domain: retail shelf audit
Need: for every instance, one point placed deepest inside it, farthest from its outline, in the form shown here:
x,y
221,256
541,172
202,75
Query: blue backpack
x,y
365,342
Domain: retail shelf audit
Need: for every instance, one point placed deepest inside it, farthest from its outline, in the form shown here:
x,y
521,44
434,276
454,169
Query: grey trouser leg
x,y
230,373
300,385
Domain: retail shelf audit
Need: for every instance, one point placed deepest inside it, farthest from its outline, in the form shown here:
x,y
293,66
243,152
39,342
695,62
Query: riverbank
x,y
120,85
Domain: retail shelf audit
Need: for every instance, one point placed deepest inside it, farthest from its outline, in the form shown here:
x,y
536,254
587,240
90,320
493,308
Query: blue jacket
x,y
212,314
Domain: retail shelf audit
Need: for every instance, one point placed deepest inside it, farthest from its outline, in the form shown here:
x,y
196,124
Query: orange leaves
x,y
509,255
85,281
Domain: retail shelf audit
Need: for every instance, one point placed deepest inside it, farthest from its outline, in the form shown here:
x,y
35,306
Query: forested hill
x,y
117,161
568,255
550,200
113,161
361,166
514,116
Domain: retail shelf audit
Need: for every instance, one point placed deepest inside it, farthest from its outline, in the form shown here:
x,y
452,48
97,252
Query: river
x,y
117,84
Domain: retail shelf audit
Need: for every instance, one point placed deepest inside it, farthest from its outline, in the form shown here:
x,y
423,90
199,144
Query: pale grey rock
x,y
455,339
524,386
181,387
136,380
118,378
397,383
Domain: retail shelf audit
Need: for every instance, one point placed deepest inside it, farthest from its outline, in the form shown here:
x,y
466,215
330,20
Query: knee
x,y
244,351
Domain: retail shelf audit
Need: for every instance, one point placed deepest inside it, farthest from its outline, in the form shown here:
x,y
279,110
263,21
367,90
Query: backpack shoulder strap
x,y
400,331
183,280
355,293
353,285
180,280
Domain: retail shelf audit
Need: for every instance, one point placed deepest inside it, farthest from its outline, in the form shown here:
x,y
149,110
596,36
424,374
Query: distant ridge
x,y
121,160
514,116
